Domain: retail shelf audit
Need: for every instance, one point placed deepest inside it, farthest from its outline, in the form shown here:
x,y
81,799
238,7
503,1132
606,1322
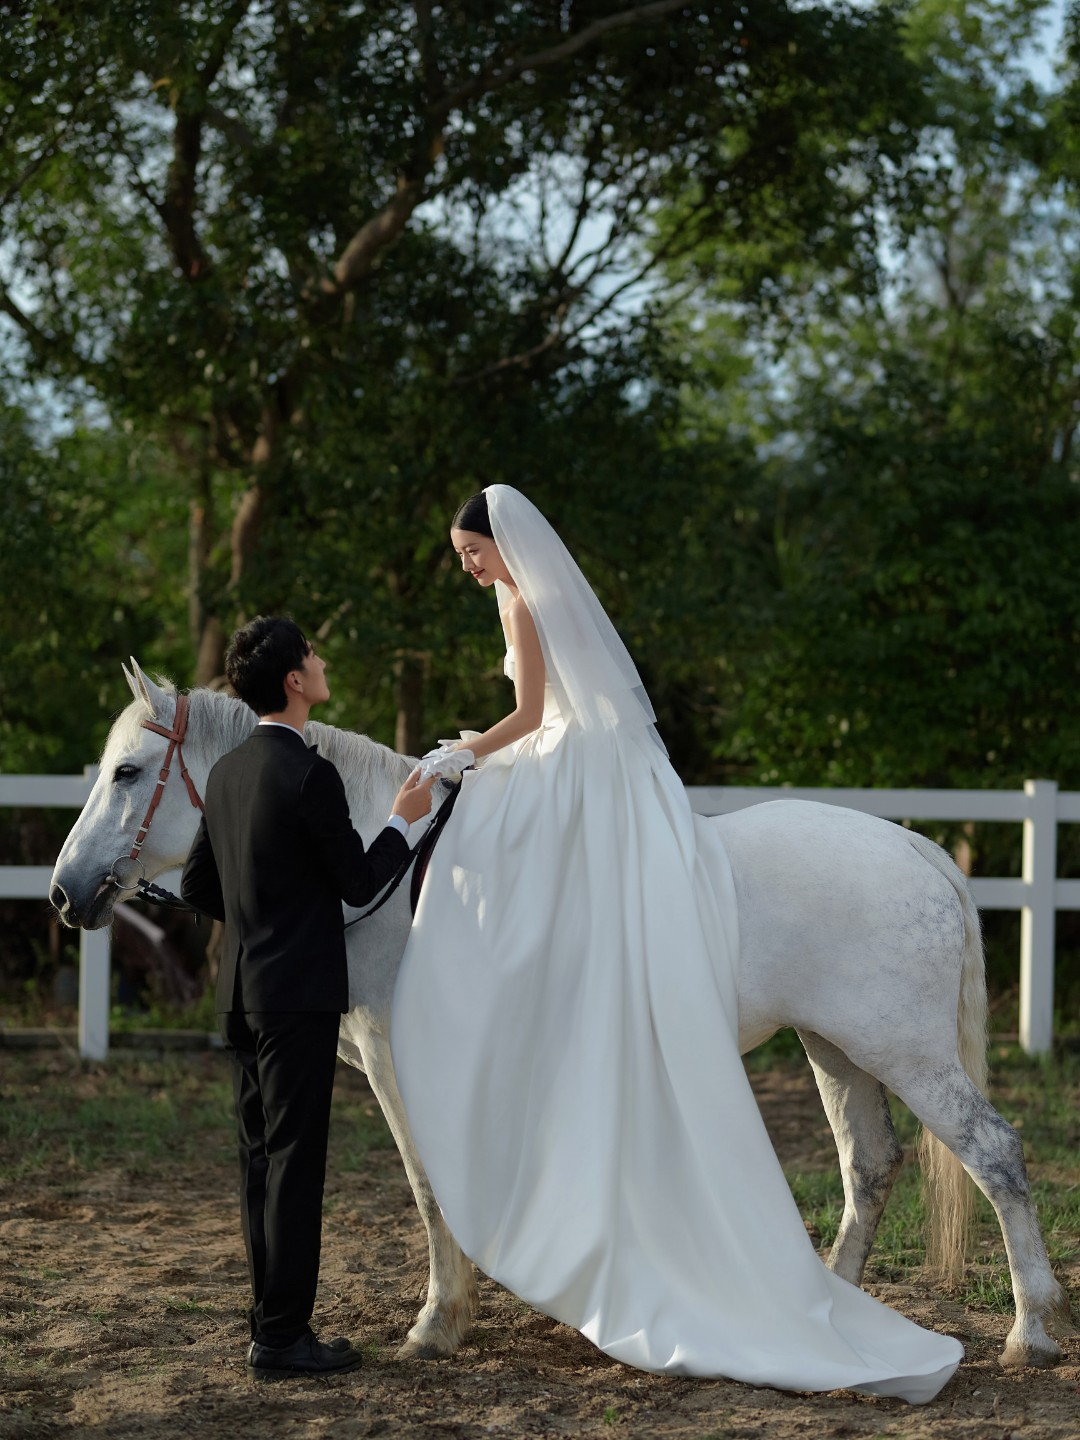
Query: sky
x,y
1041,60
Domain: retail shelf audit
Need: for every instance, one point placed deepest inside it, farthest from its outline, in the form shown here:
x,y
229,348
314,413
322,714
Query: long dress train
x,y
565,1039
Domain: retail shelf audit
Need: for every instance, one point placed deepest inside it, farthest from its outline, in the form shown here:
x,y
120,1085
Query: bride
x,y
564,1028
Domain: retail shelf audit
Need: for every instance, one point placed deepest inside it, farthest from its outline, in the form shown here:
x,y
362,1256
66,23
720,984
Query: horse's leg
x,y
453,1295
951,1106
870,1154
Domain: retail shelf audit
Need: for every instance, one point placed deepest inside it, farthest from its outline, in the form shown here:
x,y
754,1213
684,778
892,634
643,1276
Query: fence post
x,y
94,994
1037,918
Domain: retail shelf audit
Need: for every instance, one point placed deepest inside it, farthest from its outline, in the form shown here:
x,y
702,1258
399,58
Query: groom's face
x,y
312,678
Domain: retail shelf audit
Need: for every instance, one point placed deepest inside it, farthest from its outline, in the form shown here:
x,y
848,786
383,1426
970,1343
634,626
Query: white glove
x,y
446,761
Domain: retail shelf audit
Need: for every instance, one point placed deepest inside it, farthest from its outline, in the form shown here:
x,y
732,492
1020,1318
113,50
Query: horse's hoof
x,y
412,1350
1043,1355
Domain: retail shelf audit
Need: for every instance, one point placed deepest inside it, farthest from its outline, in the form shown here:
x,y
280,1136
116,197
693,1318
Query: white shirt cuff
x,y
398,823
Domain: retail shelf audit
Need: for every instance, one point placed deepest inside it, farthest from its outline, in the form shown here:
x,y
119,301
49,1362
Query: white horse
x,y
859,934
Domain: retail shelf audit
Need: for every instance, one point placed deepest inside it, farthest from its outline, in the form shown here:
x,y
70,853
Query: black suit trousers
x,y
283,1080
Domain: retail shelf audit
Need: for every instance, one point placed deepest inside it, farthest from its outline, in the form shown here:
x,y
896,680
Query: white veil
x,y
587,664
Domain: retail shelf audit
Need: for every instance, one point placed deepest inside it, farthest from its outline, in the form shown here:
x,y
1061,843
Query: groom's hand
x,y
413,800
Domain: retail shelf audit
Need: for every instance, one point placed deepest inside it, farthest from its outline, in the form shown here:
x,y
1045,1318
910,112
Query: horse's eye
x,y
125,772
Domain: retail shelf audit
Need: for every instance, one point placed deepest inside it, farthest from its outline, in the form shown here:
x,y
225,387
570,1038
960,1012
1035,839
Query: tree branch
x,y
31,167
434,87
581,210
560,337
178,208
360,254
190,106
501,72
45,347
521,361
231,126
218,50
137,183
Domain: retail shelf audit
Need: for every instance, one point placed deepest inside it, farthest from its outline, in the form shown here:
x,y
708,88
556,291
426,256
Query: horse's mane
x,y
360,761
367,768
224,720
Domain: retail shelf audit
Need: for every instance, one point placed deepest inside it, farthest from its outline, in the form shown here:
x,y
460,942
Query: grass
x,y
32,1006
141,1116
356,1127
188,1307
987,1286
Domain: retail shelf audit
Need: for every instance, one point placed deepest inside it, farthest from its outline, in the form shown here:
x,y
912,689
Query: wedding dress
x,y
564,1033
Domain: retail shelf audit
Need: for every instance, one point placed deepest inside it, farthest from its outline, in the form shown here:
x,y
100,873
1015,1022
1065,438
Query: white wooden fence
x,y
31,882
1038,894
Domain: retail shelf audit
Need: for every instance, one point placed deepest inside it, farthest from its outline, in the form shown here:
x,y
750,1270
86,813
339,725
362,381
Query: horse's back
x,y
845,928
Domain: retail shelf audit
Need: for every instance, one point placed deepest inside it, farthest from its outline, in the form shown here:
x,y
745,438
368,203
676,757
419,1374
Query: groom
x,y
274,857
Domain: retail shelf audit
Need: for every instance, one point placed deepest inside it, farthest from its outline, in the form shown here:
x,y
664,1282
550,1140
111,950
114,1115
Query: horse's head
x,y
83,890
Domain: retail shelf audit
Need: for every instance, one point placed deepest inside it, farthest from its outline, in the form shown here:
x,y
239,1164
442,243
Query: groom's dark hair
x,y
260,656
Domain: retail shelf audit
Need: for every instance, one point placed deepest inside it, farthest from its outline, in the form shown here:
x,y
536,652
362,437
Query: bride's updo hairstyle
x,y
473,516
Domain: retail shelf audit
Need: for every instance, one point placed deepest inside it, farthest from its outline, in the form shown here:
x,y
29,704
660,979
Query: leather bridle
x,y
159,896
175,737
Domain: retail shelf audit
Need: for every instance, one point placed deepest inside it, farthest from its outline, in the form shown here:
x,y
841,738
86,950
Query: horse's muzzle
x,y
90,914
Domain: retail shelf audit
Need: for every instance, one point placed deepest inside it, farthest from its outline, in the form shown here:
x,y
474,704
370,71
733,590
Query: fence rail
x,y
1038,894
31,882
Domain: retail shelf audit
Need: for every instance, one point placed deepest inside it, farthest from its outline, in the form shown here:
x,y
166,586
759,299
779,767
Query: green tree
x,y
91,553
298,245
903,599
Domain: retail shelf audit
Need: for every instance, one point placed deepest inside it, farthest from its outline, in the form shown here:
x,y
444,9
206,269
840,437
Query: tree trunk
x,y
410,679
207,640
962,848
210,655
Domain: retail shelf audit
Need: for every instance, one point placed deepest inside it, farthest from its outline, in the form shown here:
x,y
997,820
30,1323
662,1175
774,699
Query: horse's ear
x,y
133,684
151,695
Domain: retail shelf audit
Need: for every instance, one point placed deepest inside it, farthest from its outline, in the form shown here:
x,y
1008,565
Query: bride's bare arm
x,y
529,680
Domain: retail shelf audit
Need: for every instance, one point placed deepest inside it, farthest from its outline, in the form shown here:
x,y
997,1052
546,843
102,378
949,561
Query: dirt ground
x,y
122,1303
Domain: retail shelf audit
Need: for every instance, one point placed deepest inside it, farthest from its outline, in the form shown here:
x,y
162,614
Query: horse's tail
x,y
948,1194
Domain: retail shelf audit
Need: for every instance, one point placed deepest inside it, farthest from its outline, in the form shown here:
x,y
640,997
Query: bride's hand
x,y
447,760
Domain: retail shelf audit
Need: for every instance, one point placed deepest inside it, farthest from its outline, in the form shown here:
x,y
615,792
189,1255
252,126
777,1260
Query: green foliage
x,y
921,616
324,273
91,551
345,266
889,571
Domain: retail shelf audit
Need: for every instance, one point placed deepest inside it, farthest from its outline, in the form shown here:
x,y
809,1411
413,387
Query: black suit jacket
x,y
275,856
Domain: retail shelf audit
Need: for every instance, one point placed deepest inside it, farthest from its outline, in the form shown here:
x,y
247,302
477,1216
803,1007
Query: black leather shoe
x,y
306,1356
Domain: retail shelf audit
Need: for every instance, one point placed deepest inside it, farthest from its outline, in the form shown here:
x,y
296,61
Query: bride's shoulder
x,y
518,621
515,613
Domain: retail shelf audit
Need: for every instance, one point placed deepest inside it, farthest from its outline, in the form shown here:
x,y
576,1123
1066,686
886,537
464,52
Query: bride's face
x,y
480,558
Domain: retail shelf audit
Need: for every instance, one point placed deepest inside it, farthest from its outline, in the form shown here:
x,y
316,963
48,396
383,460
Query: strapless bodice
x,y
552,711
